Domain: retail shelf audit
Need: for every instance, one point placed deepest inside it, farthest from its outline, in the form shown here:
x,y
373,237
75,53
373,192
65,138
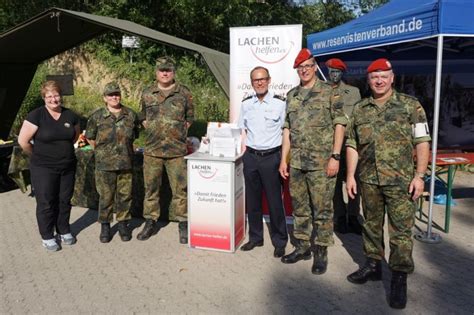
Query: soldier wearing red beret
x,y
315,121
385,129
346,217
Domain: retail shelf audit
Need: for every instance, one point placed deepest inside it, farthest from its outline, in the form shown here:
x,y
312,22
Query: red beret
x,y
303,55
336,63
381,64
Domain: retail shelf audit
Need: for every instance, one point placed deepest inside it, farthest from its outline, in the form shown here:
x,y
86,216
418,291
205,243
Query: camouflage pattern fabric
x,y
85,193
382,135
153,173
166,117
349,96
311,120
114,138
18,169
400,208
383,138
115,189
311,196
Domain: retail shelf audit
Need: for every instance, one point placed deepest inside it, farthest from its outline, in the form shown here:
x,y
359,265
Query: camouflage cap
x,y
111,87
165,62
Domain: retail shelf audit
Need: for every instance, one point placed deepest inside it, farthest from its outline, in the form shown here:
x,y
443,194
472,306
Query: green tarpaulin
x,y
57,30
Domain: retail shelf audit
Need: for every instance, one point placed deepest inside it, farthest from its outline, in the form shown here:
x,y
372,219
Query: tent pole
x,y
428,236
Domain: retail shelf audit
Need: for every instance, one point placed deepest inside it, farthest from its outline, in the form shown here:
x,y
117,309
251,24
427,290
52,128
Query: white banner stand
x,y
216,202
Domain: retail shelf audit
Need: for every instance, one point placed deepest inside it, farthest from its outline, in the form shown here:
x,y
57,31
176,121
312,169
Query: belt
x,y
264,152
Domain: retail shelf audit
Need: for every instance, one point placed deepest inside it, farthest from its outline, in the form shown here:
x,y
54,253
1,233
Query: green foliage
x,y
210,103
31,101
368,5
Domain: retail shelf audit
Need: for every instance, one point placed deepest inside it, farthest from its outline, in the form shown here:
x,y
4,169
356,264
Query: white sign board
x,y
130,42
273,47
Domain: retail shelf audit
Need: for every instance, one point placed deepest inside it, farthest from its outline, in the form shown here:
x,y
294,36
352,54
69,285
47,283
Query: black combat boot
x,y
320,260
124,231
298,254
148,230
398,290
183,232
371,270
104,233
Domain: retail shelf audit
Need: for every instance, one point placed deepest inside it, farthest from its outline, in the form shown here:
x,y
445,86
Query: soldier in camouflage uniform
x,y
314,128
111,131
167,112
385,131
345,216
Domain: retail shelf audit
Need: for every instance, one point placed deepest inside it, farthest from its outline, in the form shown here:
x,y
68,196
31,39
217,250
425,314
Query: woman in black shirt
x,y
48,135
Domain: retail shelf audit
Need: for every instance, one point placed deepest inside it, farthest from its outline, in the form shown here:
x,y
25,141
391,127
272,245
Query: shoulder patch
x,y
246,98
280,97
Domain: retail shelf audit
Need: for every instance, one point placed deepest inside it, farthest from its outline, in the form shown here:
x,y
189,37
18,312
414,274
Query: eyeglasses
x,y
260,80
50,97
305,67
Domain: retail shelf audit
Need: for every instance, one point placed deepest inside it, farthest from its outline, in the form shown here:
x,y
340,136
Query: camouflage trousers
x,y
311,196
152,175
400,209
114,188
352,208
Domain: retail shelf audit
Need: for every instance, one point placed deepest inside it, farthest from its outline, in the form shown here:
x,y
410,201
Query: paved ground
x,y
161,276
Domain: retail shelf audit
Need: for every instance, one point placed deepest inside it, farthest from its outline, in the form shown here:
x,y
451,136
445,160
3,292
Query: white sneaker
x,y
51,245
68,239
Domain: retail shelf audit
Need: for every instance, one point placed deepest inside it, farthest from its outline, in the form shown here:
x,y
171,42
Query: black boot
x,y
320,260
148,230
298,254
104,236
183,232
371,270
124,231
398,290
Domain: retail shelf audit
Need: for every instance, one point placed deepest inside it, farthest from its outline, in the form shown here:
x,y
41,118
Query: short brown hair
x,y
259,68
49,86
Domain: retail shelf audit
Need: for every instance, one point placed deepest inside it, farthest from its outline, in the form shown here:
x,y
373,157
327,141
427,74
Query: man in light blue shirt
x,y
261,118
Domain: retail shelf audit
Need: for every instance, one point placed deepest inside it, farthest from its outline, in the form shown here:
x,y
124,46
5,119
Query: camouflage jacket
x,y
349,96
166,118
311,120
114,138
383,138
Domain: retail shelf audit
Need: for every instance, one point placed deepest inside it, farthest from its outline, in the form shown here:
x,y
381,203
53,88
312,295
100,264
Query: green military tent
x,y
57,30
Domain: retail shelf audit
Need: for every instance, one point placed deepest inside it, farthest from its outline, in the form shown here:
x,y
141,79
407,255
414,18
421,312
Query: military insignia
x,y
247,98
339,105
67,125
280,97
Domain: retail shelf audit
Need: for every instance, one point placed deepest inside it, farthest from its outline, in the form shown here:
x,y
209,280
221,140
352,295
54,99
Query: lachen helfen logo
x,y
205,171
267,49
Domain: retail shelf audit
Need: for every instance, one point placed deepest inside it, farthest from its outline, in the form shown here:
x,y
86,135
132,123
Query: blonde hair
x,y
50,86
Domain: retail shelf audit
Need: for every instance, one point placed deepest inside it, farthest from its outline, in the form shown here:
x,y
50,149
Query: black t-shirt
x,y
54,140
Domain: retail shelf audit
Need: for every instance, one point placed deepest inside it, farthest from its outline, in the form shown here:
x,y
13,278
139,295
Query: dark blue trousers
x,y
261,174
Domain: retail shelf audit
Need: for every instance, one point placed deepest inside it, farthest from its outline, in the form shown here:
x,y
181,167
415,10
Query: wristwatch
x,y
336,156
